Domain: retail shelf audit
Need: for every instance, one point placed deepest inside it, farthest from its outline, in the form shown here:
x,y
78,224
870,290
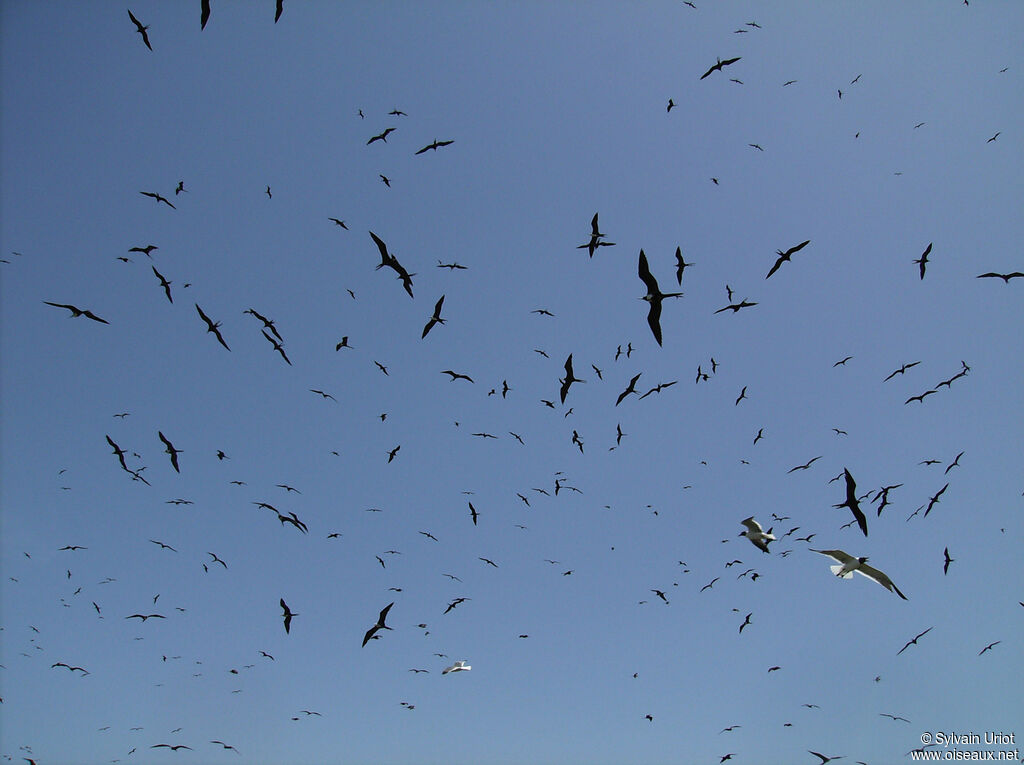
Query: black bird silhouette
x,y
743,395
920,397
172,747
735,307
164,283
914,641
681,265
852,503
226,746
169,448
287,617
321,393
434,146
630,389
339,223
386,181
989,647
923,260
148,249
595,238
279,347
719,63
569,379
278,9
163,546
806,465
158,198
654,296
990,140
456,375
140,29
380,625
146,616
118,451
473,513
902,370
934,500
785,256
1005,277
268,323
746,621
945,565
954,463
381,137
204,14
435,318
212,326
76,312
389,260
825,759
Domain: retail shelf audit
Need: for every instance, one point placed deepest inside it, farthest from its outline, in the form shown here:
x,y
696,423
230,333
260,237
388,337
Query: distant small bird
x,y
140,29
1005,277
381,136
671,104
459,666
990,140
914,640
434,146
76,312
989,647
923,260
719,63
338,223
287,617
158,198
948,560
435,318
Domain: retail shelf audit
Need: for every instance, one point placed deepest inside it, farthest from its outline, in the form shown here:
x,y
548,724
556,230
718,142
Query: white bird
x,y
459,666
849,564
756,535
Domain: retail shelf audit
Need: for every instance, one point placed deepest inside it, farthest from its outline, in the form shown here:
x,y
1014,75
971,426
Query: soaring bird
x,y
473,513
785,256
852,503
389,260
914,640
948,560
382,136
435,318
758,537
380,625
456,375
164,283
630,389
338,222
736,307
169,448
923,260
140,29
287,616
434,146
849,564
569,379
719,63
76,312
902,370
212,326
1005,277
158,198
459,666
681,265
934,500
595,238
654,296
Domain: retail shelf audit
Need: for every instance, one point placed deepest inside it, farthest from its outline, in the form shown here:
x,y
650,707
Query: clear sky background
x,y
557,111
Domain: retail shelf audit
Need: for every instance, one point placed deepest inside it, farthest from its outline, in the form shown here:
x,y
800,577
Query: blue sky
x,y
556,111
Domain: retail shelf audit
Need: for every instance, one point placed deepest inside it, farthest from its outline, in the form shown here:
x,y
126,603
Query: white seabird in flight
x,y
459,666
849,564
756,535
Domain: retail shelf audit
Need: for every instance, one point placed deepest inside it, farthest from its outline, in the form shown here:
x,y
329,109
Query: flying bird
x,y
459,666
382,136
211,326
784,256
434,146
719,63
735,307
945,565
989,647
158,198
473,513
164,283
76,312
1005,277
902,370
338,223
169,448
934,499
852,502
654,296
380,625
806,465
914,640
923,260
287,617
630,389
569,379
849,564
435,318
681,265
456,375
758,537
140,29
